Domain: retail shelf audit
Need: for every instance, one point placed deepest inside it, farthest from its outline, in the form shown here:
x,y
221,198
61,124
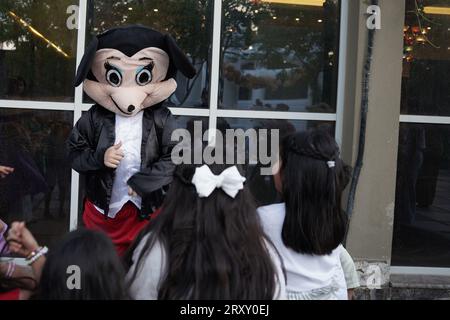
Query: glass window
x,y
280,55
189,22
422,211
426,59
38,191
262,186
37,50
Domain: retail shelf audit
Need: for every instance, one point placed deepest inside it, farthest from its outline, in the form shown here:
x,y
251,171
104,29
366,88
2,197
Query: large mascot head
x,y
131,68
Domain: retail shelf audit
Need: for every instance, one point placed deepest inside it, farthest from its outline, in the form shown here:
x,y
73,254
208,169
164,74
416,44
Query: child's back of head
x,y
83,266
312,177
215,245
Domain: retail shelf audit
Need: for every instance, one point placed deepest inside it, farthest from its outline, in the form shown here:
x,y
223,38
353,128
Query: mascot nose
x,y
128,100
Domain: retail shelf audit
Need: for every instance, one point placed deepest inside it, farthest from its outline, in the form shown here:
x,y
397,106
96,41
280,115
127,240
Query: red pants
x,y
122,229
10,295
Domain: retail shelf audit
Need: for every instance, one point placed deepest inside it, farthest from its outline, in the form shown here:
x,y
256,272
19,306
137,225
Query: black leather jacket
x,y
94,133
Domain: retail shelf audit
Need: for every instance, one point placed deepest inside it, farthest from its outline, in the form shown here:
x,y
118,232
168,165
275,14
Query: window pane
x,y
38,191
262,186
426,60
280,55
188,22
422,211
37,50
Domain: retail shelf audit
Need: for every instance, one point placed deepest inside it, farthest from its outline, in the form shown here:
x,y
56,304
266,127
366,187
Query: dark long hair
x,y
215,246
312,191
102,272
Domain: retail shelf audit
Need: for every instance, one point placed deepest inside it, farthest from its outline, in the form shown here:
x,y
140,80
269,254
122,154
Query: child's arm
x,y
350,273
150,181
83,154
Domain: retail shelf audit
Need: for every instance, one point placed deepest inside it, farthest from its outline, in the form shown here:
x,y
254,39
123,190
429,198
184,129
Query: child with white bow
x,y
206,244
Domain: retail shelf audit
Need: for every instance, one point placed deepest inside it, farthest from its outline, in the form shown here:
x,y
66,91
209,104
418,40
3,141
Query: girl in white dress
x,y
308,227
206,243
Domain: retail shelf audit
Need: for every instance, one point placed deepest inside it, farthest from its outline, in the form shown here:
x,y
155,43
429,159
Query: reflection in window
x,y
426,59
38,191
37,50
422,210
188,22
262,186
280,55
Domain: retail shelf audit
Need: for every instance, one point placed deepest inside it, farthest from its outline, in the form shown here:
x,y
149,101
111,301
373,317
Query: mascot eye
x,y
113,75
144,76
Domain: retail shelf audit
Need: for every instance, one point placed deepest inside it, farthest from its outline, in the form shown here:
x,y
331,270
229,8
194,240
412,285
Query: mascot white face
x,y
128,69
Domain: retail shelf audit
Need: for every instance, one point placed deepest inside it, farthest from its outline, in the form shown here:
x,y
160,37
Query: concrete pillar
x,y
370,234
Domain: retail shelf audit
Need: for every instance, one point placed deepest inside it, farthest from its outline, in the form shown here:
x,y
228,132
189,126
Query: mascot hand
x,y
113,156
131,192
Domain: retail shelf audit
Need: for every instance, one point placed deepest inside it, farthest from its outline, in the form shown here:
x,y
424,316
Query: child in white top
x,y
308,227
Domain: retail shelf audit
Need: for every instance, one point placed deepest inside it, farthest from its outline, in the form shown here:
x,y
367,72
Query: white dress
x,y
146,284
309,277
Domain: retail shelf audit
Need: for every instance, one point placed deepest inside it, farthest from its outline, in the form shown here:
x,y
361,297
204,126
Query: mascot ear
x,y
86,62
178,58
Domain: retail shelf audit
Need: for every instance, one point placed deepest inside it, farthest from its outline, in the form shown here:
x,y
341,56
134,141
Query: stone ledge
x,y
402,294
414,281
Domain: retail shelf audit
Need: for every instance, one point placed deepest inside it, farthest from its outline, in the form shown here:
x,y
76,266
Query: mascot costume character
x,y
123,143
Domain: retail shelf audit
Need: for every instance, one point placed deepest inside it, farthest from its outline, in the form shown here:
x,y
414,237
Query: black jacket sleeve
x,y
150,181
83,152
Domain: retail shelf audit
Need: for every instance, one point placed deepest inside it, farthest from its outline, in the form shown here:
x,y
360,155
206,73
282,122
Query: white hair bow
x,y
205,182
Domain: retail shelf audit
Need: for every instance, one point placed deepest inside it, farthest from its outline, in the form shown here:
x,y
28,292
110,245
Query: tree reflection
x,y
289,51
298,52
31,67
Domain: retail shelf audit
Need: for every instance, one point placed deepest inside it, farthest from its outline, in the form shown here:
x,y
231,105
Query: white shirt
x,y
146,284
308,276
129,132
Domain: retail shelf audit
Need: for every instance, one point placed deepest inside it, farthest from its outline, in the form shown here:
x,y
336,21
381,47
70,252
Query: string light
x,y
38,34
418,34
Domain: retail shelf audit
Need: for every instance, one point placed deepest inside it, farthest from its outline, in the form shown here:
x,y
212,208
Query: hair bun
x,y
310,151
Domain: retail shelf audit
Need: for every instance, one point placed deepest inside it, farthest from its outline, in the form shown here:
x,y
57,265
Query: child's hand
x,y
4,171
113,156
20,239
3,226
131,192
